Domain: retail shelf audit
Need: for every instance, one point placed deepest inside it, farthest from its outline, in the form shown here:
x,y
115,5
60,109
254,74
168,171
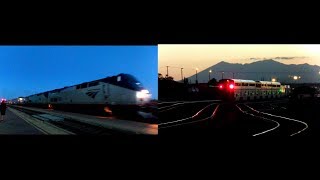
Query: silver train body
x,y
120,90
19,100
239,89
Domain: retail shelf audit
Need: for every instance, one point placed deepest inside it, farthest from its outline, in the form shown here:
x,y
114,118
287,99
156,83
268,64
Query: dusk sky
x,y
195,56
27,70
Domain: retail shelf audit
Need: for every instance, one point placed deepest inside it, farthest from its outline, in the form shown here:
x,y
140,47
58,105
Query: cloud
x,y
279,58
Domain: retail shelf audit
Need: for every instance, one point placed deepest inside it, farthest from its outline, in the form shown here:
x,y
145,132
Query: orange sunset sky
x,y
191,57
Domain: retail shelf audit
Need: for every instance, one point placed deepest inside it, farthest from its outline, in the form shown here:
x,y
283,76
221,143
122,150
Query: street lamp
x,y
209,74
181,74
222,75
197,75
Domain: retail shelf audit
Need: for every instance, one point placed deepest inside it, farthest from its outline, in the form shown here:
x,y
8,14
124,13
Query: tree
x,y
160,76
212,81
169,78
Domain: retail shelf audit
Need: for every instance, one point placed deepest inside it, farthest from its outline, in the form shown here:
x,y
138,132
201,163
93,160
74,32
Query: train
x,y
119,92
246,90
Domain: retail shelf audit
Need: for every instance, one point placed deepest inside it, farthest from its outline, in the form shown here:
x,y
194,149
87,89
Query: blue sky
x,y
27,70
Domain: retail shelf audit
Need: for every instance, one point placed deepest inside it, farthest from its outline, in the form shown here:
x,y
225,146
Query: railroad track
x,y
203,114
281,125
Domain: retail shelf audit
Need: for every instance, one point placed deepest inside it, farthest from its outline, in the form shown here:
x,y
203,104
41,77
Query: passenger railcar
x,y
239,89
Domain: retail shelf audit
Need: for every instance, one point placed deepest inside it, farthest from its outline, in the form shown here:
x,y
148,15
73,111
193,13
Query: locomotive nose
x,y
143,96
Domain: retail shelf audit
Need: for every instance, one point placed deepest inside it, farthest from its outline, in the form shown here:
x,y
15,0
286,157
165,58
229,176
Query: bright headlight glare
x,y
145,91
140,95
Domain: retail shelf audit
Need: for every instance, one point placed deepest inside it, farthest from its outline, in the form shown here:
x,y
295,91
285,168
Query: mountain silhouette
x,y
261,70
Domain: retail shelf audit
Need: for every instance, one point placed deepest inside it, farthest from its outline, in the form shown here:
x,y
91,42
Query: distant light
x,y
220,86
231,86
211,71
197,69
273,80
295,77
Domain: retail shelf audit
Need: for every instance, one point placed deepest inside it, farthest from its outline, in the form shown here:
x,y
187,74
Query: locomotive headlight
x,y
143,94
145,91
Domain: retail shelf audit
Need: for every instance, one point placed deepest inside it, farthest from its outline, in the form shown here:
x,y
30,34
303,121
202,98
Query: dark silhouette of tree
x,y
160,76
169,78
185,81
212,82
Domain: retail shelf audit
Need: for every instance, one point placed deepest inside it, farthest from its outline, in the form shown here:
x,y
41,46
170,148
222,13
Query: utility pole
x,y
181,74
196,75
167,71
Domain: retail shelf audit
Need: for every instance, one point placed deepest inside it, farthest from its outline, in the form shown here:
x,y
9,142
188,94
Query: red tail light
x,y
220,86
231,86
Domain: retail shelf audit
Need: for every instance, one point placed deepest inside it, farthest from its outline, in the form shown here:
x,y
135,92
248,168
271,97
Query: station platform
x,y
107,122
14,125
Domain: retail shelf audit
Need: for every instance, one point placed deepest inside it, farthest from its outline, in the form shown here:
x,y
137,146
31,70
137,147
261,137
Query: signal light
x,y
231,86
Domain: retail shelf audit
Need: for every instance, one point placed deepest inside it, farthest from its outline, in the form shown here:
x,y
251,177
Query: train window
x,y
84,85
244,84
258,85
93,84
252,84
53,99
238,84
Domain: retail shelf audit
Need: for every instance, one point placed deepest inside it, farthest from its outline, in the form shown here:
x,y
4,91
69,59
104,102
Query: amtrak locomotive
x,y
107,94
239,89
